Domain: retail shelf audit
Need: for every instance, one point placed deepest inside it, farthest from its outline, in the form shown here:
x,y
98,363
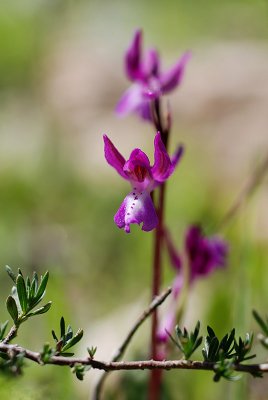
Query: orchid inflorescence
x,y
202,254
199,257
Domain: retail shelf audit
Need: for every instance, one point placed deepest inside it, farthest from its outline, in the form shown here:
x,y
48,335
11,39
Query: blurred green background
x,y
61,74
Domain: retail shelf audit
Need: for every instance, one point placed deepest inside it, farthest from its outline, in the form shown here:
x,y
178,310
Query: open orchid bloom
x,y
138,207
149,82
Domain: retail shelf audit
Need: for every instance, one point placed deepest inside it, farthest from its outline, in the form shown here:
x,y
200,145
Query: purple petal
x,y
133,57
151,64
137,158
130,101
136,208
152,89
204,254
113,157
138,170
220,251
162,167
177,156
172,78
144,111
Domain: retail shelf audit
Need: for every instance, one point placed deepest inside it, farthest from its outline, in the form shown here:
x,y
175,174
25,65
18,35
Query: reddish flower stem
x,y
156,375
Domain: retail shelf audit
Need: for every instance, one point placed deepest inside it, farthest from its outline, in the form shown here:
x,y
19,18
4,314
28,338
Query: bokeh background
x,y
61,74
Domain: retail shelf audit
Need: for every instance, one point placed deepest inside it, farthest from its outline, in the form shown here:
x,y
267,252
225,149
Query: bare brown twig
x,y
130,365
11,334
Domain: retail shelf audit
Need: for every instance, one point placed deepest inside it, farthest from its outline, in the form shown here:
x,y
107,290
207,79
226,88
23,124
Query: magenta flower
x,y
204,255
149,82
138,207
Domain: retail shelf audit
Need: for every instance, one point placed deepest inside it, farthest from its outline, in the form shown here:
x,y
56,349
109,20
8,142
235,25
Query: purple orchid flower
x,y
138,207
204,255
149,82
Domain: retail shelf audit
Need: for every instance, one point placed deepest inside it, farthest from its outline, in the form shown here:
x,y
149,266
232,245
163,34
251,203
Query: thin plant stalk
x,y
156,375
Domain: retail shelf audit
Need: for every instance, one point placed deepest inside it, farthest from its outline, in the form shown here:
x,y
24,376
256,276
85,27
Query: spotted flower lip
x,y
149,82
137,206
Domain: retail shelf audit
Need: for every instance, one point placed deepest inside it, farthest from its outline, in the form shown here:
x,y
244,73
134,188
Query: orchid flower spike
x,y
149,82
138,207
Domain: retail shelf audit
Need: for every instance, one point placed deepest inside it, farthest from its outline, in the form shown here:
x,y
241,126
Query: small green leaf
x,y
196,330
11,273
3,328
35,278
65,354
91,351
28,287
54,336
211,333
69,334
77,337
33,290
79,370
12,308
187,342
62,327
47,353
41,290
41,310
20,272
22,293
197,343
28,283
229,340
